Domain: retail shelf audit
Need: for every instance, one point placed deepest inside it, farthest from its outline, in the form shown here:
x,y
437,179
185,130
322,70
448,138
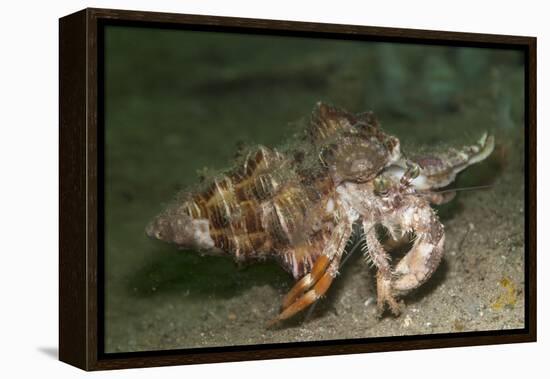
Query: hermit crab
x,y
298,204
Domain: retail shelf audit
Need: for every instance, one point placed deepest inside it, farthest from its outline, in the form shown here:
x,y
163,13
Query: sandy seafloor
x,y
176,103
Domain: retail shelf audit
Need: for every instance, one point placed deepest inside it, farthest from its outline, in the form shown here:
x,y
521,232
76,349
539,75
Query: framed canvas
x,y
239,189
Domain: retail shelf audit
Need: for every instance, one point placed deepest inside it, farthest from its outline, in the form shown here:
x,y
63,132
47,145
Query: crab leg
x,y
316,283
381,261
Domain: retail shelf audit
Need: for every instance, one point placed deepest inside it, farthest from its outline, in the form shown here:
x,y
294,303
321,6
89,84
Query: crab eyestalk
x,y
413,170
381,185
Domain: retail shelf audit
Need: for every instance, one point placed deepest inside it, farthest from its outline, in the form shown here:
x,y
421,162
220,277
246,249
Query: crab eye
x,y
413,169
381,186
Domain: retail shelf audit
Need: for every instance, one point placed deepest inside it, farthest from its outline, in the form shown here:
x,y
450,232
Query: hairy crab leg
x,y
381,260
314,284
425,255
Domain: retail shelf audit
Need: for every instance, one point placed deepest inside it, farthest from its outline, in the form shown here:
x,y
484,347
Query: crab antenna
x,y
472,188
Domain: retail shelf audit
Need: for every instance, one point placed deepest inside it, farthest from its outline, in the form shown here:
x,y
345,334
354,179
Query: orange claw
x,y
311,296
319,279
307,281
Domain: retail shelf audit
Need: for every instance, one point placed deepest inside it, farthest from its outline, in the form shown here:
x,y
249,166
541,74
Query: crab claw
x,y
418,265
440,169
425,255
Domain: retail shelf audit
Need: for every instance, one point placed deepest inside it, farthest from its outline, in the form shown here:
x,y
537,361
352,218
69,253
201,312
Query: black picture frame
x,y
81,189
